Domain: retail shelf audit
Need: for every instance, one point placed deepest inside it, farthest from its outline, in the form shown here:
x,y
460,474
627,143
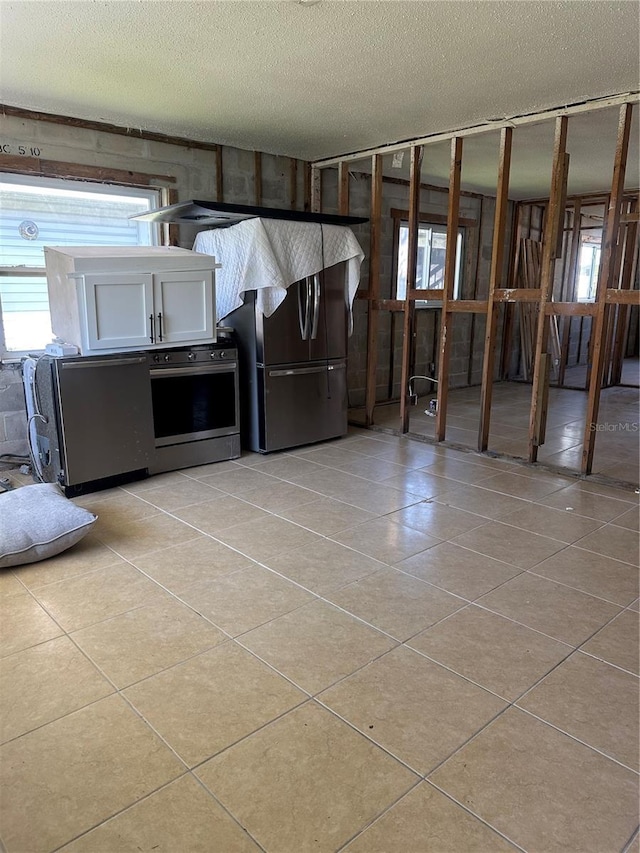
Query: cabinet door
x,y
119,310
184,306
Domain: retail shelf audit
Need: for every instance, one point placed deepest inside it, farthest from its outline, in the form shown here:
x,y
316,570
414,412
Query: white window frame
x,y
430,228
45,183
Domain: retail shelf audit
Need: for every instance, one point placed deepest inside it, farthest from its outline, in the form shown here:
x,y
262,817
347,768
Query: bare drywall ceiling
x,y
312,80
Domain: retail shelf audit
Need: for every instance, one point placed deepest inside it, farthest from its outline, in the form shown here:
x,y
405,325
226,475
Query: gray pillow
x,y
37,522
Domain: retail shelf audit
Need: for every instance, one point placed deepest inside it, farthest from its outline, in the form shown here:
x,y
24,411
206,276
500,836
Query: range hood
x,y
218,214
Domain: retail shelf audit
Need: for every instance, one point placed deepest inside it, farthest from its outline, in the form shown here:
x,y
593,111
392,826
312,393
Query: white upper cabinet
x,y
113,300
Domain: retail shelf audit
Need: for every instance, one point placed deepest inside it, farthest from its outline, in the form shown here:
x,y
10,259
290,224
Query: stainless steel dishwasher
x,y
93,419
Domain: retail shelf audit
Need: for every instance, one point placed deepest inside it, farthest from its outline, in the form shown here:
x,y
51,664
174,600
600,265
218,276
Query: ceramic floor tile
x,y
324,566
433,518
328,481
316,645
180,817
592,573
9,584
386,541
590,504
305,782
373,468
24,623
510,544
179,494
415,709
612,541
618,642
461,471
83,557
215,516
379,500
286,467
459,570
47,681
137,487
238,482
410,454
70,775
115,506
540,788
629,519
90,598
245,599
525,487
480,501
498,654
563,613
593,701
279,496
204,705
130,539
265,538
198,471
327,516
425,820
396,603
555,523
146,640
180,566
420,483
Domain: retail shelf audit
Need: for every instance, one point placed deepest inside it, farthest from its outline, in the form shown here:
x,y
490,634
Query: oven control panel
x,y
191,355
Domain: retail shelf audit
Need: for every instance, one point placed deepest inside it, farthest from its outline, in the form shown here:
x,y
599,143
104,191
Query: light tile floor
x,y
370,645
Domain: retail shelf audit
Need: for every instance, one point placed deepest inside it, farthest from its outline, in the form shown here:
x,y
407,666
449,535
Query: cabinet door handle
x,y
159,326
152,328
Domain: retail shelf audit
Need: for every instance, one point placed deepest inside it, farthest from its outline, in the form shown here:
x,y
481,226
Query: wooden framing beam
x,y
79,171
343,189
495,280
446,329
293,183
517,294
257,177
307,186
630,255
409,302
170,232
570,287
219,176
374,287
570,309
553,226
315,189
607,267
622,297
469,306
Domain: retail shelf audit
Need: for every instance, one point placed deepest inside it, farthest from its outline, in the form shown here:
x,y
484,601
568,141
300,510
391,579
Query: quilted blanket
x,y
268,255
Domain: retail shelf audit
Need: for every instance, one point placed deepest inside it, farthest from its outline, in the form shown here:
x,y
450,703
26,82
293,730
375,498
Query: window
x,y
588,270
432,248
38,212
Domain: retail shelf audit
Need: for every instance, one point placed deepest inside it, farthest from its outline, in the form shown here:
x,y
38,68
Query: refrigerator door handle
x,y
300,371
350,330
303,321
316,306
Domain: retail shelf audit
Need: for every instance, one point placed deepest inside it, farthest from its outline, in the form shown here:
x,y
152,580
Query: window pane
x,y
35,213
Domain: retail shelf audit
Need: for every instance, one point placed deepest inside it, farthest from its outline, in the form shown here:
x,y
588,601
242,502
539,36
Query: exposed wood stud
x,y
170,232
472,335
409,303
607,267
219,176
293,183
343,189
257,176
631,249
315,185
495,280
553,226
374,287
307,186
570,294
446,329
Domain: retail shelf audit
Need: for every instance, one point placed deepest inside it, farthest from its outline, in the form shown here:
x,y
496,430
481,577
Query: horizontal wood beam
x,y
469,306
78,171
517,294
436,295
622,297
570,309
103,127
429,218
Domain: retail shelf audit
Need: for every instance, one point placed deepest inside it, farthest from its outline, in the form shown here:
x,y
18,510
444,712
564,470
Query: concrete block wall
x,y
194,171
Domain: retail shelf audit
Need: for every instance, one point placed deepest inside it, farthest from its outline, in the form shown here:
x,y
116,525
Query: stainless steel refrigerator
x,y
293,364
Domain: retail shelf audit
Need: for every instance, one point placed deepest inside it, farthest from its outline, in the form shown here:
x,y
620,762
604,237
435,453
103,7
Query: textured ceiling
x,y
312,80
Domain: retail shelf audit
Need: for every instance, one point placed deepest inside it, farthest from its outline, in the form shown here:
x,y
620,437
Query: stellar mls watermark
x,y
620,426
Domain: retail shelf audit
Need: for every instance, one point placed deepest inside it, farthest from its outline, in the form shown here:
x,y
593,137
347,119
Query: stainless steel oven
x,y
195,400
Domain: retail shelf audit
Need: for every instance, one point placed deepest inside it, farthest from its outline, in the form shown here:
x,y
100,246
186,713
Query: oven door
x,y
194,402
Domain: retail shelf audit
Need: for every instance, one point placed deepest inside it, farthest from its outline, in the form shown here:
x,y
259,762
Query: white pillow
x,y
37,522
